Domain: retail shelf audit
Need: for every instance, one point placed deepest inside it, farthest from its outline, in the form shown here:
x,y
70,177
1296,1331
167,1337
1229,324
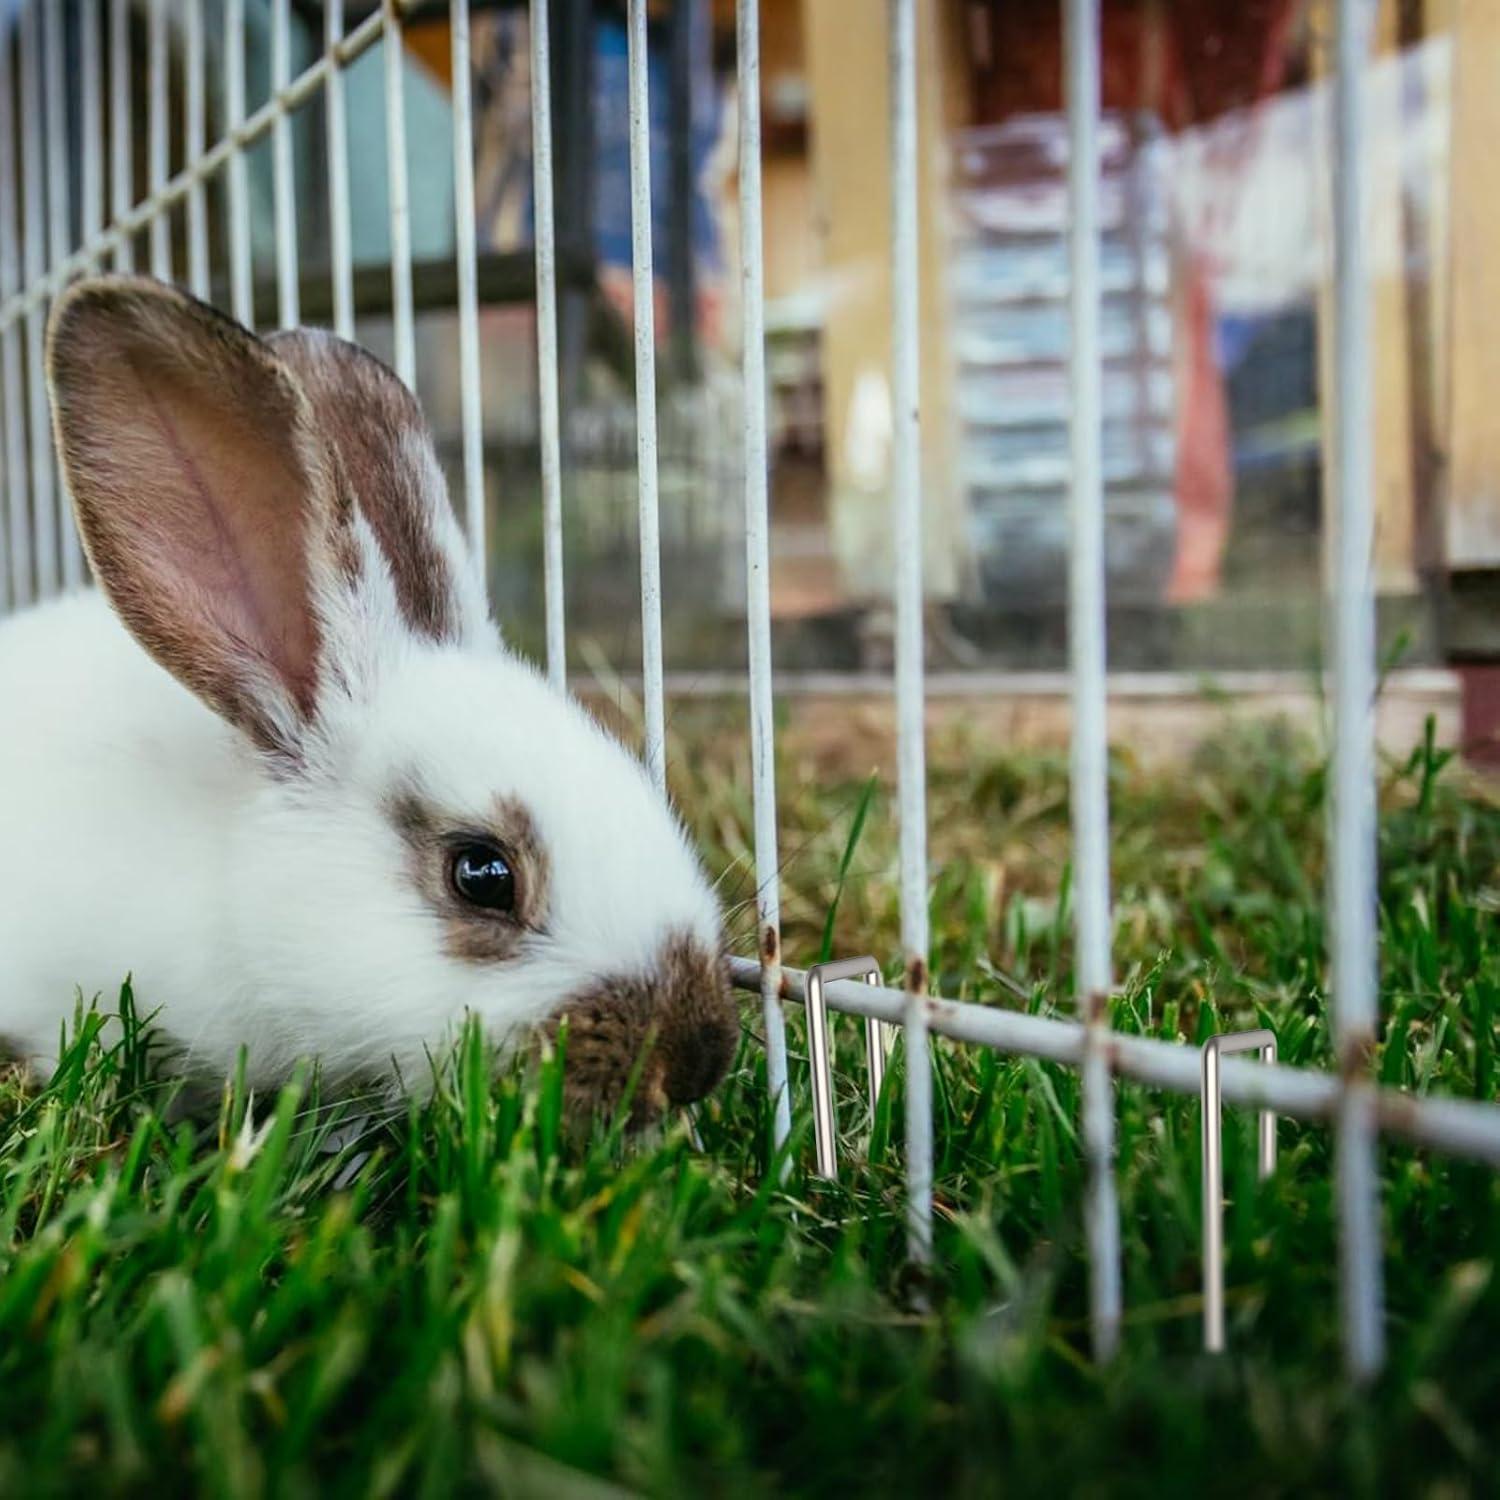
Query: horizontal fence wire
x,y
1460,1127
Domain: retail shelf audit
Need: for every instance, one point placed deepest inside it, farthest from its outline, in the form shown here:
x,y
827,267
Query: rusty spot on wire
x,y
770,945
1356,1057
916,974
1397,1112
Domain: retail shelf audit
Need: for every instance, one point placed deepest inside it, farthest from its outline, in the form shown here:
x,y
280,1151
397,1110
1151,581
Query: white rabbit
x,y
324,812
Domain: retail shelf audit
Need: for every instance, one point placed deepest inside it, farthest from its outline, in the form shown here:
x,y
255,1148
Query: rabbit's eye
x,y
482,876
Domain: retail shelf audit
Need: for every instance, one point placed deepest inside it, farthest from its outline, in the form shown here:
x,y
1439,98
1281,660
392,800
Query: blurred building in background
x,y
1215,320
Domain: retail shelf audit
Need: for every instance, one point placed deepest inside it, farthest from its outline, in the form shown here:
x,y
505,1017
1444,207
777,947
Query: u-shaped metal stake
x,y
825,1125
1214,1049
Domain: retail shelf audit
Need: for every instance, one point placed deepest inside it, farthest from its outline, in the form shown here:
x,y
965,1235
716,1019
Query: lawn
x,y
479,1296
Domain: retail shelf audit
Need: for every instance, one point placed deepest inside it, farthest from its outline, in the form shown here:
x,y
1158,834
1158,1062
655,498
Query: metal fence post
x,y
1354,959
1086,642
758,572
911,752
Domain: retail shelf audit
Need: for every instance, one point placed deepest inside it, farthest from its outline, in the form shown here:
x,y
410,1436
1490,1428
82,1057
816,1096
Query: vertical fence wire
x,y
1086,643
90,184
241,286
91,125
158,88
55,112
758,569
468,286
18,527
34,250
645,394
549,420
194,135
402,317
340,250
1354,966
60,238
910,705
121,136
284,185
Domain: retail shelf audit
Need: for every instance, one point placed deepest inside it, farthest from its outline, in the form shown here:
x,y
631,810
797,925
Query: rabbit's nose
x,y
680,1013
697,1054
697,1021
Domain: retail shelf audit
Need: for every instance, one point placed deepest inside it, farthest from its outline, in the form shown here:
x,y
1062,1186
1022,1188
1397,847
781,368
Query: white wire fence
x,y
55,115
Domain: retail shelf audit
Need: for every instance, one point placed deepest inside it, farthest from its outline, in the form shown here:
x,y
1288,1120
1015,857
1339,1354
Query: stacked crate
x,y
1009,279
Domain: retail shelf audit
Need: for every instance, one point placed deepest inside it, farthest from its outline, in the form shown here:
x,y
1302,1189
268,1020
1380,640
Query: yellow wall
x,y
1473,369
791,246
1438,499
847,77
1391,375
791,249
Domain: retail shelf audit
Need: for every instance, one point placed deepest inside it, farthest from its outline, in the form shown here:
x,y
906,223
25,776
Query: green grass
x,y
493,1304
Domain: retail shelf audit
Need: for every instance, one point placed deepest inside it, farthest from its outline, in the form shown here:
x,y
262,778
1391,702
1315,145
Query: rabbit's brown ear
x,y
212,514
385,449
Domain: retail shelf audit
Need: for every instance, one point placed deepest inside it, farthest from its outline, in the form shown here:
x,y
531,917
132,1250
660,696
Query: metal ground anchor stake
x,y
877,1041
1214,1050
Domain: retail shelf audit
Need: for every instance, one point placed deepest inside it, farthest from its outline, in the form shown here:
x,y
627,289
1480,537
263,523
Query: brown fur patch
x,y
471,932
681,1016
377,428
206,504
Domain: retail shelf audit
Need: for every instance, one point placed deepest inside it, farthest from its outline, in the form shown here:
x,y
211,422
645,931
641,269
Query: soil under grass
x,y
200,1306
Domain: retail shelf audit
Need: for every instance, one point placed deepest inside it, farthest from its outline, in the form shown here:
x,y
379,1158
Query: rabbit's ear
x,y
213,515
367,414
